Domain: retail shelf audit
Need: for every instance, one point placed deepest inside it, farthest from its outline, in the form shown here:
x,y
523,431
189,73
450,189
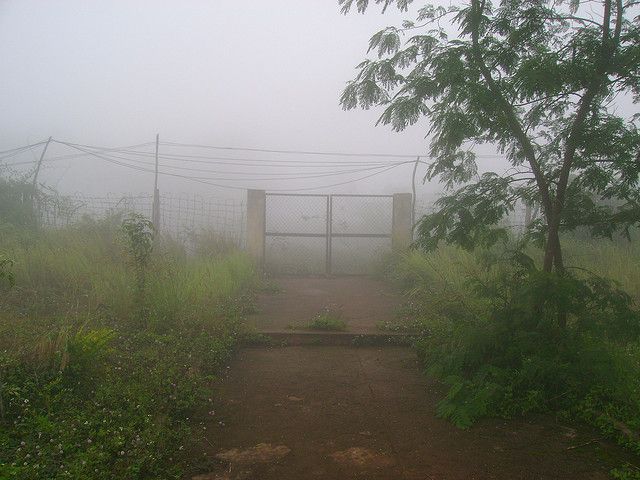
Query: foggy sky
x,y
246,74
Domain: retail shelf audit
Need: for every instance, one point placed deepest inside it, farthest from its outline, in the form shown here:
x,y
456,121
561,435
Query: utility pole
x,y
34,186
155,214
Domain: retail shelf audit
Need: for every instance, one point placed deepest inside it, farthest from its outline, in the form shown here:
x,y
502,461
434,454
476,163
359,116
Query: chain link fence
x,y
296,225
318,234
367,217
181,216
296,228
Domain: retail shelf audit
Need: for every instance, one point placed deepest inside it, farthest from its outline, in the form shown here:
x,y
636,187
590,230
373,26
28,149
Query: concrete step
x,y
296,338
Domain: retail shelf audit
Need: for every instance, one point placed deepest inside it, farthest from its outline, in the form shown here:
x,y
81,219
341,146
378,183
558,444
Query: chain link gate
x,y
326,234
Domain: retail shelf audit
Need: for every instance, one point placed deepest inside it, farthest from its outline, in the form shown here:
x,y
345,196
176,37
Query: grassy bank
x,y
492,334
92,388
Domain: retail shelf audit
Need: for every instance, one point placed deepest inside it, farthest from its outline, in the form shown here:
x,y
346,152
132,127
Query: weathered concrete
x,y
256,221
346,339
401,225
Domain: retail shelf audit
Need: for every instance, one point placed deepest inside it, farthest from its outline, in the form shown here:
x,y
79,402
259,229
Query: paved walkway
x,y
332,413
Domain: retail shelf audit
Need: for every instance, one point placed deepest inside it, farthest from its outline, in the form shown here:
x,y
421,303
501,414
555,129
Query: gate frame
x,y
400,235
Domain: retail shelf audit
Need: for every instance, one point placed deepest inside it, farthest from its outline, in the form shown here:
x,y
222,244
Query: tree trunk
x,y
550,248
553,260
553,248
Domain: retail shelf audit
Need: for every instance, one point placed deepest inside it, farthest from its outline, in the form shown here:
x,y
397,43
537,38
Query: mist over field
x,y
249,74
328,239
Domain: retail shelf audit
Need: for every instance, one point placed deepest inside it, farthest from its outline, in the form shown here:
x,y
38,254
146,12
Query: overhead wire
x,y
249,162
24,147
281,175
312,152
206,182
77,155
232,161
113,156
18,151
145,144
335,184
297,152
142,169
235,160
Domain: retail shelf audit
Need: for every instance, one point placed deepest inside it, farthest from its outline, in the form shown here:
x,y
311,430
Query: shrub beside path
x,y
349,412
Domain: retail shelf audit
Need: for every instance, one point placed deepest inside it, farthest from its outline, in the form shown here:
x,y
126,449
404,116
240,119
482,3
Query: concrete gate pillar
x,y
401,223
256,222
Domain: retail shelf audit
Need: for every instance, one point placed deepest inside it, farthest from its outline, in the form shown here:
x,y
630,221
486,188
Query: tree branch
x,y
608,47
507,109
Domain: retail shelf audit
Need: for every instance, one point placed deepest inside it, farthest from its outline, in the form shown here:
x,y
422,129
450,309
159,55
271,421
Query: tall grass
x,y
617,259
86,391
84,270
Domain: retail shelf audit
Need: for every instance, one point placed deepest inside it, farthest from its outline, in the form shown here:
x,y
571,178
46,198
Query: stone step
x,y
296,338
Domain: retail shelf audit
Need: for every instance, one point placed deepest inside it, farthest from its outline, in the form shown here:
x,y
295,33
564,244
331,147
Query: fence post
x,y
401,223
155,212
256,223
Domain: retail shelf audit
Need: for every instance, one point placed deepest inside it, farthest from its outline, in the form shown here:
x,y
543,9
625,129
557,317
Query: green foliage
x,y
139,232
537,81
16,206
494,336
6,273
328,320
628,472
86,393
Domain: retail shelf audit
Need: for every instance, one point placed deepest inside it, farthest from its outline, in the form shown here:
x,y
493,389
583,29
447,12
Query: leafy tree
x,y
539,80
139,235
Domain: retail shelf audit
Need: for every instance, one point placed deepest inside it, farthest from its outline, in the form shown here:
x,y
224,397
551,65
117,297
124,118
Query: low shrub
x,y
511,340
328,320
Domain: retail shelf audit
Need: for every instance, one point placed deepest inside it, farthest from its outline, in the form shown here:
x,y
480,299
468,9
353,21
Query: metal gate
x,y
326,234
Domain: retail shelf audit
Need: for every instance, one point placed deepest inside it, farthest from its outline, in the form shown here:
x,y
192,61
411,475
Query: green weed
x,y
328,320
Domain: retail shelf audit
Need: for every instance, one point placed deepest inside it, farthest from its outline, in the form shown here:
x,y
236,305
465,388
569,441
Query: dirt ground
x,y
362,302
334,412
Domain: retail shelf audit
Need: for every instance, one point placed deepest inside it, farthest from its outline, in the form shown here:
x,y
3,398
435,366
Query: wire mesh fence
x,y
296,228
317,234
181,216
361,230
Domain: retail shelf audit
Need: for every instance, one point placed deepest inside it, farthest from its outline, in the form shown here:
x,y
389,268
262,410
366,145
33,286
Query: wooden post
x,y
329,233
401,223
37,172
35,206
155,212
256,224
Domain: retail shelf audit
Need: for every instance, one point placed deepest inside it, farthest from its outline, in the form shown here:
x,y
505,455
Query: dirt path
x,y
329,412
362,302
